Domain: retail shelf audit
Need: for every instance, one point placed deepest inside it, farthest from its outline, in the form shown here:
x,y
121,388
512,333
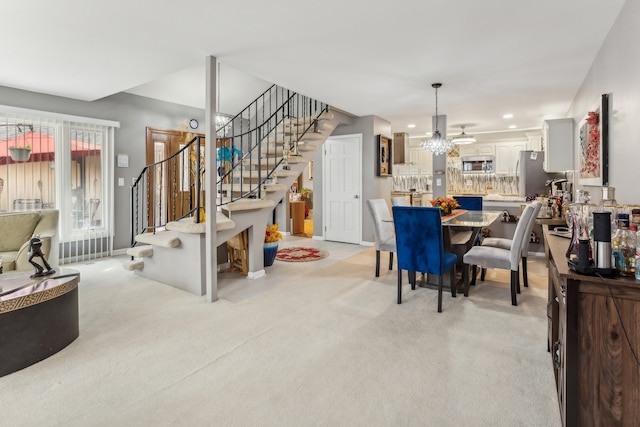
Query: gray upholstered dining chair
x,y
506,259
499,242
382,230
399,201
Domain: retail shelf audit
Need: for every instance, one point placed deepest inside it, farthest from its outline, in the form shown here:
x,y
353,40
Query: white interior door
x,y
343,188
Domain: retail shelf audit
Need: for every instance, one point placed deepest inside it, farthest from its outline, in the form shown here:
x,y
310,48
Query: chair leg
x,y
412,280
525,277
440,293
474,273
482,273
452,275
390,261
377,263
518,281
465,278
514,279
399,286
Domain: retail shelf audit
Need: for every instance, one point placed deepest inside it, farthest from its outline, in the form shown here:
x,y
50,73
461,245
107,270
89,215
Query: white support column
x,y
440,161
211,256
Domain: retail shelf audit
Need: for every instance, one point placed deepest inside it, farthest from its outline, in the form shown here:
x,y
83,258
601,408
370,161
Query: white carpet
x,y
318,343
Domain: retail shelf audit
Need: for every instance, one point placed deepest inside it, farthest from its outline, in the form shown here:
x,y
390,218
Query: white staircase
x,y
176,255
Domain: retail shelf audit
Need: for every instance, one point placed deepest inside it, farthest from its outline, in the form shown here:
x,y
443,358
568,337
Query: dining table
x,y
460,233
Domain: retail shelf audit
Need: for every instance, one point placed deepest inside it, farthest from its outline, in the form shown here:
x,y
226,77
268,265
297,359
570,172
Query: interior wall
x,y
373,187
134,113
615,71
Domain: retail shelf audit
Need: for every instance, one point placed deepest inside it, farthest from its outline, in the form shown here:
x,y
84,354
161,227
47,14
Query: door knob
x,y
356,197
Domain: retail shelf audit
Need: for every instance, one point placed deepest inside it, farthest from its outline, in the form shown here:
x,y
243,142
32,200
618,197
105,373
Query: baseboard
x,y
365,243
256,274
117,252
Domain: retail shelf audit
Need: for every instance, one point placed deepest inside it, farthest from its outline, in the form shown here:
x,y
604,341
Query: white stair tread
x,y
135,264
186,225
223,222
167,239
313,136
245,188
140,251
249,204
283,173
307,147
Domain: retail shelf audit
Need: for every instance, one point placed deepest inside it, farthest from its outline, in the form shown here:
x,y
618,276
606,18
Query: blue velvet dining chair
x,y
420,247
470,203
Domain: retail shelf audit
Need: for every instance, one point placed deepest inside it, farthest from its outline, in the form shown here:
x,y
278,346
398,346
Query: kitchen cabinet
x,y
507,156
477,150
557,142
400,142
421,161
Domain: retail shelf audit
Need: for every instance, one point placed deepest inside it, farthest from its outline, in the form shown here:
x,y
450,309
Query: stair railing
x,y
250,147
167,190
262,136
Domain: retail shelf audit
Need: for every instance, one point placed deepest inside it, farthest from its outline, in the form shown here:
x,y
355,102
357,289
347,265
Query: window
x,y
65,170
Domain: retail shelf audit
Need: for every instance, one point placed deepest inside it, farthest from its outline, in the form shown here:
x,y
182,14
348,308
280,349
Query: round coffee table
x,y
38,317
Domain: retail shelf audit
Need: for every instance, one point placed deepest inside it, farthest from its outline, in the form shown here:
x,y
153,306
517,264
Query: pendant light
x,y
437,144
463,138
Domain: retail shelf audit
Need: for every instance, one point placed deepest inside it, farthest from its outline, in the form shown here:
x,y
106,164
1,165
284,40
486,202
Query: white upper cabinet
x,y
477,150
421,161
558,144
507,156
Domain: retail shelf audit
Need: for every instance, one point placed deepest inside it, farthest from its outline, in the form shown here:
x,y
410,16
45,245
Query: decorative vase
x,y
445,212
270,250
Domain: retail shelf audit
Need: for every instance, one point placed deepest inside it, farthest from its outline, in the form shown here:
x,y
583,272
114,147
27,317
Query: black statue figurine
x,y
35,249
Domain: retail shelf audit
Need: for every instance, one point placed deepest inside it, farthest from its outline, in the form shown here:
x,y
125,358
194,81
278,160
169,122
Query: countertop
x,y
511,198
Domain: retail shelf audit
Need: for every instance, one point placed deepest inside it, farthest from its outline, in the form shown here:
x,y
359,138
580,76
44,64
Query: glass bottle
x,y
608,203
622,244
637,254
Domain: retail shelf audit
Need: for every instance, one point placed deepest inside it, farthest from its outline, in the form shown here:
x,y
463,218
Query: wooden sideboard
x,y
594,340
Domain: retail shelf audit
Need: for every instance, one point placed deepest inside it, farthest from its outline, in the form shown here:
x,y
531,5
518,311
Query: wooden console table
x,y
549,224
594,340
38,317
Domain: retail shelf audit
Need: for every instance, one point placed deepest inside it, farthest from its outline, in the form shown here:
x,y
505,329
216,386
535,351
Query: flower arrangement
x,y
272,234
446,204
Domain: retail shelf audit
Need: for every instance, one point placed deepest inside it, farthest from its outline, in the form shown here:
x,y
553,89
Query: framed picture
x,y
383,165
593,143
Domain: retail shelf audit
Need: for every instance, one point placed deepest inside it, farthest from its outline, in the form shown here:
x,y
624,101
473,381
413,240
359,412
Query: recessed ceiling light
x,y
508,116
512,126
411,126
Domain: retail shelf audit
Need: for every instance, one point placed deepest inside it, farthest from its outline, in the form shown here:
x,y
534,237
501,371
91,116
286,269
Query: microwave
x,y
477,164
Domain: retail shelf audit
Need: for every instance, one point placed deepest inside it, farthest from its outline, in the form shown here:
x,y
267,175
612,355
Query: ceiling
x,y
366,57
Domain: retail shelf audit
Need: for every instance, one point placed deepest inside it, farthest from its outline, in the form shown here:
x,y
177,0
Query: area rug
x,y
300,254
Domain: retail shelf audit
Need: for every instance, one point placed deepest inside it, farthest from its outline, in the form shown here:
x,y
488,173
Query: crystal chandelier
x,y
437,144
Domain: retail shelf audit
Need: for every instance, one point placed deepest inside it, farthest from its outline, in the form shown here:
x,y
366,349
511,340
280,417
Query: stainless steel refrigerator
x,y
532,178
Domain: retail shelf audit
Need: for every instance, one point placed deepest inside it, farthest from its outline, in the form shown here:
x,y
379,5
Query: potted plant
x,y
271,238
305,192
20,154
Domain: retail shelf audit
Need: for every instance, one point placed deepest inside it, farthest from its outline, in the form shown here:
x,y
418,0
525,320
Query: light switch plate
x,y
120,182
